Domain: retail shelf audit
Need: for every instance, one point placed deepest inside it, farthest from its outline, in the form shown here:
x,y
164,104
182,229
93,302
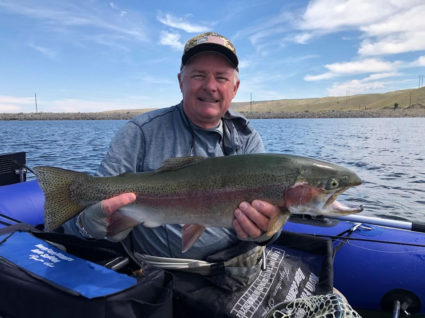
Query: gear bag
x,y
32,291
245,282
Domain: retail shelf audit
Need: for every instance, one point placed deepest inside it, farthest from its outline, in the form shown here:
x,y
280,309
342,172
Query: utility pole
x,y
347,96
36,107
250,104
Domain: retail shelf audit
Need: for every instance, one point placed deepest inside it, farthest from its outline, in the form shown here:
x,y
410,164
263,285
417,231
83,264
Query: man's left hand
x,y
253,220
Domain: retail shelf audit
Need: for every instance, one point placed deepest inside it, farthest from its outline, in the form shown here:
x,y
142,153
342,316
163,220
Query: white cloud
x,y
394,44
115,7
354,67
57,16
335,15
323,76
43,50
371,83
386,26
12,104
420,61
303,38
180,23
377,76
354,87
10,108
171,39
361,66
404,18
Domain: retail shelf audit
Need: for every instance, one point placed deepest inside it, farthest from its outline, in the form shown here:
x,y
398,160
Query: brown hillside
x,y
404,99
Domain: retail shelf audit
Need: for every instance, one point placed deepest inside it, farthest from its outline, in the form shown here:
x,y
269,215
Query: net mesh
x,y
320,306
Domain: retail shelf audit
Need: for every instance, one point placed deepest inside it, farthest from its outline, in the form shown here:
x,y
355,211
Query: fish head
x,y
317,186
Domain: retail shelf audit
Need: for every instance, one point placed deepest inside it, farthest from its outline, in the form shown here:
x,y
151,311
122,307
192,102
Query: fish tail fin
x,y
59,205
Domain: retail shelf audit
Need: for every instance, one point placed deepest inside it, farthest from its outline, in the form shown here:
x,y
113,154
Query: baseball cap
x,y
210,41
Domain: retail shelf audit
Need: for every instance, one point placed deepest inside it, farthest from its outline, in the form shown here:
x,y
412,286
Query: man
x,y
201,125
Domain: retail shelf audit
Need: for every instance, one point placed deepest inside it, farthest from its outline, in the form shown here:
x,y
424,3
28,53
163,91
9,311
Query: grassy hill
x,y
410,103
410,98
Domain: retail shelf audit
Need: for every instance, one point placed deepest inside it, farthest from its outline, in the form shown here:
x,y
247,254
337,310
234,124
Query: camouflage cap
x,y
210,41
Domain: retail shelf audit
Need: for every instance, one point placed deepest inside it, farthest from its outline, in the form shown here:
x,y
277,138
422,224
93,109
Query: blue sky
x,y
98,55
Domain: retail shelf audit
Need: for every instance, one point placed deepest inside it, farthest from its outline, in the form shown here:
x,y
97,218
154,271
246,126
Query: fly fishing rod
x,y
404,225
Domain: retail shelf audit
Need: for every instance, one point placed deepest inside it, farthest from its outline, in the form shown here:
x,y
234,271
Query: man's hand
x,y
253,220
97,219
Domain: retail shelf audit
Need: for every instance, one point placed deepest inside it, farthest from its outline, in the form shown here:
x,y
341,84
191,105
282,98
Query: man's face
x,y
208,86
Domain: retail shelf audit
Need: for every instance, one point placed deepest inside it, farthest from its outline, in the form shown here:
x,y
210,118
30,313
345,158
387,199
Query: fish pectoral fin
x,y
120,223
178,163
138,213
277,222
190,234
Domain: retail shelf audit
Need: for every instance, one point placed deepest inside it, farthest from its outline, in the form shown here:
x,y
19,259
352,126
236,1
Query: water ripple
x,y
384,152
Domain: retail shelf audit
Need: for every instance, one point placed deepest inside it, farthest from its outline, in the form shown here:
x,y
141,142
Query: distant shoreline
x,y
381,113
126,115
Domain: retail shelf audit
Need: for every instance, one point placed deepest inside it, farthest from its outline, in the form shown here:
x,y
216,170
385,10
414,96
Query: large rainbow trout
x,y
203,191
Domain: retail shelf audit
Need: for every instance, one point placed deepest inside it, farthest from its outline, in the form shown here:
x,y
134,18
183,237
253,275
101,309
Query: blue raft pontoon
x,y
375,266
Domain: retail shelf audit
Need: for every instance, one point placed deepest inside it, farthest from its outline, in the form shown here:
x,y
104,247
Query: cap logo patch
x,y
202,40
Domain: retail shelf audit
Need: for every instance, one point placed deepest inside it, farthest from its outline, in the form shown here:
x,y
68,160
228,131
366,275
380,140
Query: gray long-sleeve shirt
x,y
149,139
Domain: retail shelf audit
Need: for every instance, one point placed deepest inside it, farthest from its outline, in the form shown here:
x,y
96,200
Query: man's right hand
x,y
98,218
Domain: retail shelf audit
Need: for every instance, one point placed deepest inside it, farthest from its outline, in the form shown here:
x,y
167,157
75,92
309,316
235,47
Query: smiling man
x,y
201,125
208,83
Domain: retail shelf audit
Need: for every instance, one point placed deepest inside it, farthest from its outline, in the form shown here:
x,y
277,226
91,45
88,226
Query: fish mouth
x,y
333,207
305,199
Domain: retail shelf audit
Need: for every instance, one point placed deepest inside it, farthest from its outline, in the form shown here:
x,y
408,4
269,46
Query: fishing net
x,y
320,306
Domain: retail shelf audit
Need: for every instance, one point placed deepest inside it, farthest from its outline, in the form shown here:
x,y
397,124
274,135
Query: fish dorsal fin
x,y
178,163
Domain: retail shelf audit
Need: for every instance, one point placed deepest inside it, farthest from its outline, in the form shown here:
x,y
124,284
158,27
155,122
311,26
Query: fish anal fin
x,y
178,163
190,234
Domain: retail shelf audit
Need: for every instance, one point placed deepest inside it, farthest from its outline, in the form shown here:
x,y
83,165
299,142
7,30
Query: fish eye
x,y
333,183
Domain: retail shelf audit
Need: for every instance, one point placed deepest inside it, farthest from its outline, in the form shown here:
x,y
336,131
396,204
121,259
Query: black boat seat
x,y
12,168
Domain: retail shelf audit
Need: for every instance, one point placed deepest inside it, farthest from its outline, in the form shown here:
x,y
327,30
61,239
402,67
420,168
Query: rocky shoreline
x,y
126,115
382,113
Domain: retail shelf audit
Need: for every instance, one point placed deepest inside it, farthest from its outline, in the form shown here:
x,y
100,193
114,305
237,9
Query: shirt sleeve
x,y
254,143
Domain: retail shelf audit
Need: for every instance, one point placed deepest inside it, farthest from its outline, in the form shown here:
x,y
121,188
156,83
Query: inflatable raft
x,y
377,267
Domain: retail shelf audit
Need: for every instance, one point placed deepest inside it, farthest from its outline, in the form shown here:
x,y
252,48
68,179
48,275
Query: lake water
x,y
387,153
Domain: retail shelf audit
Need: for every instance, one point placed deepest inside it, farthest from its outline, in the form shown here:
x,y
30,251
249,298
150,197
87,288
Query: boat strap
x,y
345,235
18,227
254,258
